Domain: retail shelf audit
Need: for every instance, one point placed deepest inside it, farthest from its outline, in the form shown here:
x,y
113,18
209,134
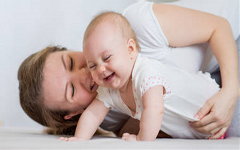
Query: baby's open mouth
x,y
108,78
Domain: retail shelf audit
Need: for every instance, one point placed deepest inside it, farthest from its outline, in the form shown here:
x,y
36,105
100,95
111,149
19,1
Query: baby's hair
x,y
115,19
30,77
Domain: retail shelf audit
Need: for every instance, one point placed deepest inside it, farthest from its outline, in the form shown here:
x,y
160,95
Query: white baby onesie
x,y
185,94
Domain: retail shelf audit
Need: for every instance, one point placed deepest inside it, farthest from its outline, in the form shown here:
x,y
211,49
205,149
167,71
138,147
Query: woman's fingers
x,y
207,125
203,122
205,109
216,113
220,134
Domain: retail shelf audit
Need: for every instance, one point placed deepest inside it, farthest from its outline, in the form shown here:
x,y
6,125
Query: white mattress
x,y
19,138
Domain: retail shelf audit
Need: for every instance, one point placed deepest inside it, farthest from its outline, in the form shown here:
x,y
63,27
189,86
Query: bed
x,y
23,138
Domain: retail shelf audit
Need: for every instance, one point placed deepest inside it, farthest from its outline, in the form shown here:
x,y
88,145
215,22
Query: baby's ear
x,y
131,46
72,114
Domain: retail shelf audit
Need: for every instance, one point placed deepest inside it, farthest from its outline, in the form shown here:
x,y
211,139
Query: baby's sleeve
x,y
154,80
104,96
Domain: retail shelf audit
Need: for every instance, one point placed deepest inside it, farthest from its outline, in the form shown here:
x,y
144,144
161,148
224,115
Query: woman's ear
x,y
72,114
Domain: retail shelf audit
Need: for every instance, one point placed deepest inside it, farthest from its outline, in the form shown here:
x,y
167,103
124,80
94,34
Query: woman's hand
x,y
129,137
216,115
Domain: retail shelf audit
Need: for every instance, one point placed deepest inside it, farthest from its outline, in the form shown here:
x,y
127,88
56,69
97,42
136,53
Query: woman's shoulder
x,y
145,24
138,12
136,6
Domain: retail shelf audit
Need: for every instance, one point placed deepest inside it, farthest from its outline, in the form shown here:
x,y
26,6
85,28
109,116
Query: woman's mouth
x,y
108,78
92,85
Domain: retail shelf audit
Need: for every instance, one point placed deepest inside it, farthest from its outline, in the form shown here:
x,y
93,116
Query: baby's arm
x,y
89,121
152,115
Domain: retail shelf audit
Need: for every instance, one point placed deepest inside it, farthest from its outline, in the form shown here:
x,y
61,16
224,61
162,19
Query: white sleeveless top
x,y
154,44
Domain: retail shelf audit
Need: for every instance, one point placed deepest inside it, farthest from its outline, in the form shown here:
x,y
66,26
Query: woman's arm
x,y
151,117
183,27
89,121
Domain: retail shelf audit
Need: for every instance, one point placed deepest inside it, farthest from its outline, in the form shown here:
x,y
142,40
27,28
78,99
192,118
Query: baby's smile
x,y
109,78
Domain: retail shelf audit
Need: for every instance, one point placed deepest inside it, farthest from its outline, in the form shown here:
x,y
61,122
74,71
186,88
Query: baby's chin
x,y
113,87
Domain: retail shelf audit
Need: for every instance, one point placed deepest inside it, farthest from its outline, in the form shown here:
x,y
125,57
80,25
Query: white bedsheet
x,y
20,138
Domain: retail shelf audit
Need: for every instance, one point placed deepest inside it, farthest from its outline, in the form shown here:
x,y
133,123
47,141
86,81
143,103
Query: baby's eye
x,y
107,58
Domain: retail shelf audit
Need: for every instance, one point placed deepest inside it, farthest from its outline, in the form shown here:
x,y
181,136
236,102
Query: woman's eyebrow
x,y
65,93
63,62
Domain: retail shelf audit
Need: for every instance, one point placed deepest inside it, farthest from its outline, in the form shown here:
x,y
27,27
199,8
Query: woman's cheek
x,y
95,77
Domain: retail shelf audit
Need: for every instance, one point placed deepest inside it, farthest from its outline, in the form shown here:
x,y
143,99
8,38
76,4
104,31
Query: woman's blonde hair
x,y
30,79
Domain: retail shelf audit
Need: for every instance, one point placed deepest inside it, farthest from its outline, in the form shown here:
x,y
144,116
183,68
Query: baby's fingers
x,y
63,138
72,139
68,138
125,135
129,137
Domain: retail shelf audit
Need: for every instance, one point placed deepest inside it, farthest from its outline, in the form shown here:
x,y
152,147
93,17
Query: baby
x,y
160,96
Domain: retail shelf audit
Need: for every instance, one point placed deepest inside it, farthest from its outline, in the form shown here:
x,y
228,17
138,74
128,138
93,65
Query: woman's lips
x,y
92,83
92,86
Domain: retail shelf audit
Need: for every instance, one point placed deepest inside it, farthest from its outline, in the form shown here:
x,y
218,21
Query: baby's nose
x,y
102,69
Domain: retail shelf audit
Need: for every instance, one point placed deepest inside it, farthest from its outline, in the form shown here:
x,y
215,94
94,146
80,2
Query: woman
x,y
63,81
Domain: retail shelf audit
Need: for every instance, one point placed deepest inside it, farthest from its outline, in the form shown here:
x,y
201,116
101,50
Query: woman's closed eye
x,y
71,68
73,89
71,63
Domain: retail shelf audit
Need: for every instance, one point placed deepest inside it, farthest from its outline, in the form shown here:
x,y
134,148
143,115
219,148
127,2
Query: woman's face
x,y
67,84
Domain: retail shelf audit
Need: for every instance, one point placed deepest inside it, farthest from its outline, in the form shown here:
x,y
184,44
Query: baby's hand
x,y
129,137
70,139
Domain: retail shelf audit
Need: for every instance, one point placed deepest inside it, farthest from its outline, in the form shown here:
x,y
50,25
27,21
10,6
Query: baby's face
x,y
108,56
